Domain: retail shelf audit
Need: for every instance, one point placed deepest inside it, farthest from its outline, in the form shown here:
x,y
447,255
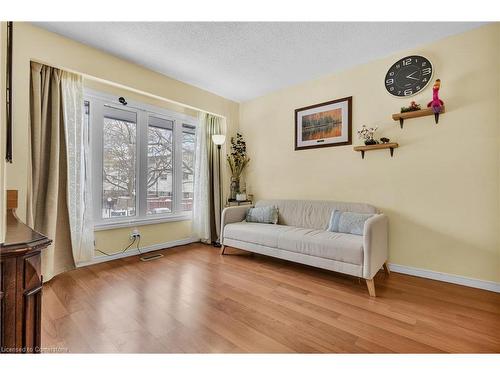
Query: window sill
x,y
144,221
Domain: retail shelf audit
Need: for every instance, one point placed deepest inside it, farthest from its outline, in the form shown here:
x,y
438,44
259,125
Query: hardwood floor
x,y
195,300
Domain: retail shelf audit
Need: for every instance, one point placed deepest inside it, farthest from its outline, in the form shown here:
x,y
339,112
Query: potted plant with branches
x,y
367,135
237,160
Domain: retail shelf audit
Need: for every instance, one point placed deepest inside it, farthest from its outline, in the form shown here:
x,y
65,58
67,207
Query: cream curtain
x,y
215,125
47,184
79,183
207,210
201,201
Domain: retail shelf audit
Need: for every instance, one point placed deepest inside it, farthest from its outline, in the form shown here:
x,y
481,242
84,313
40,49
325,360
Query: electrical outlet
x,y
135,233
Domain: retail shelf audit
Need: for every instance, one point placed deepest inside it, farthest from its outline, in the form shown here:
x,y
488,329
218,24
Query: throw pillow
x,y
265,215
348,222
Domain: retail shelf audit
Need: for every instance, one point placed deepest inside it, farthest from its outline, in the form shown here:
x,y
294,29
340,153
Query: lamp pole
x,y
217,243
219,140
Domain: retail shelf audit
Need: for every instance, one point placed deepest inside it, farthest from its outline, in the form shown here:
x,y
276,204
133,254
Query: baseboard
x,y
446,277
145,249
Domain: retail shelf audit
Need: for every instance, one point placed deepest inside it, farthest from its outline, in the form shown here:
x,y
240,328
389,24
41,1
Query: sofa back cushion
x,y
312,214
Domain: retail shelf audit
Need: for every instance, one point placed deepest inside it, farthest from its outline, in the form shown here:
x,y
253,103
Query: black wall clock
x,y
408,76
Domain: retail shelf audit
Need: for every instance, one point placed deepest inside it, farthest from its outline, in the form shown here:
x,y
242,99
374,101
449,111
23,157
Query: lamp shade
x,y
218,139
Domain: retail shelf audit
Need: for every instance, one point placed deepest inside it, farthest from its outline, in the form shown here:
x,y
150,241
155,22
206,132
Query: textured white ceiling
x,y
241,60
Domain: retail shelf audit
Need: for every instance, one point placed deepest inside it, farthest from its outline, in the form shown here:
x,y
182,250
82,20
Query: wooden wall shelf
x,y
413,114
381,146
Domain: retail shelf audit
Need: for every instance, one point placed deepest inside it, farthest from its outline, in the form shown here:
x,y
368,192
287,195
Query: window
x,y
143,162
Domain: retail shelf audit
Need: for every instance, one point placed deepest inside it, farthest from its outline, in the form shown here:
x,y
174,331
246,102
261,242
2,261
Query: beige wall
x,y
441,189
32,43
114,240
135,96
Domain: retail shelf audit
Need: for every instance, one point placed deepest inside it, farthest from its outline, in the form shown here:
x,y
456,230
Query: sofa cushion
x,y
261,234
342,247
348,222
312,214
264,215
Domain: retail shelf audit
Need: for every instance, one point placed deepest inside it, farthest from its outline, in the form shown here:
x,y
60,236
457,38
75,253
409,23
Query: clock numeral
x,y
391,89
398,66
424,80
424,63
391,74
426,71
390,81
418,87
408,92
406,62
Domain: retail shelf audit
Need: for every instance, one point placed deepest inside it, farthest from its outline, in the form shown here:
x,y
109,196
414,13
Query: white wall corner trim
x,y
446,277
134,251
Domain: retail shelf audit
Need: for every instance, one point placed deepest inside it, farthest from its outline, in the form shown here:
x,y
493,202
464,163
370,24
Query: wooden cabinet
x,y
21,284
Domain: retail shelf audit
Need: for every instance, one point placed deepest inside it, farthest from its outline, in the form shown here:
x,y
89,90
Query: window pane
x,y
188,144
160,166
119,164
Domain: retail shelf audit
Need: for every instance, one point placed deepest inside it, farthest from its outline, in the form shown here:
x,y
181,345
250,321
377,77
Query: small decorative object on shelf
x,y
413,107
384,140
234,187
237,160
241,197
436,104
367,135
390,146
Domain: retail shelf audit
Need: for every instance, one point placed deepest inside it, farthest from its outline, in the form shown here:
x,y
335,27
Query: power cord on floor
x,y
125,249
138,243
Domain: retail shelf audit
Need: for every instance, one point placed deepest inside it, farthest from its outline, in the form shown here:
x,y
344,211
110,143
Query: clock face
x,y
408,76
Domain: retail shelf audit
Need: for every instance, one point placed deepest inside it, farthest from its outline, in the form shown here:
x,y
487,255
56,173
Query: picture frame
x,y
325,124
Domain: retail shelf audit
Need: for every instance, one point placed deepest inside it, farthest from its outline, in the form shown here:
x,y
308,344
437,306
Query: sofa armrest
x,y
232,215
375,244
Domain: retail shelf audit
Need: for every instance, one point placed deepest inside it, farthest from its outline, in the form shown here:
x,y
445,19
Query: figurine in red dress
x,y
436,104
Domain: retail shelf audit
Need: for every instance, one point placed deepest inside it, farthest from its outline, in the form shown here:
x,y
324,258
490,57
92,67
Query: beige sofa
x,y
301,236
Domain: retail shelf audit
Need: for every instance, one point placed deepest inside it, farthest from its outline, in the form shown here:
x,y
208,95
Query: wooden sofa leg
x,y
371,287
222,249
386,269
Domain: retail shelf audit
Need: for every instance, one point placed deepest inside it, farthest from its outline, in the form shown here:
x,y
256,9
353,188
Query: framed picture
x,y
324,125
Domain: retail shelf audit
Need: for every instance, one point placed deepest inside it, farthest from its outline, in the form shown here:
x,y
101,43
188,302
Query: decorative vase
x,y
369,142
235,187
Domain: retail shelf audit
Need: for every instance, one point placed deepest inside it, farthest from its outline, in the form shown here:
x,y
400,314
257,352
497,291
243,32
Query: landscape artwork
x,y
320,125
325,124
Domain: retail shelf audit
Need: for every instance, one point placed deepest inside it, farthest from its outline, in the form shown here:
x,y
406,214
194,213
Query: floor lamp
x,y
218,140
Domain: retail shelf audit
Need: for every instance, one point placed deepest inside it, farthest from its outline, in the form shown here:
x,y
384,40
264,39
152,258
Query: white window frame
x,y
97,101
